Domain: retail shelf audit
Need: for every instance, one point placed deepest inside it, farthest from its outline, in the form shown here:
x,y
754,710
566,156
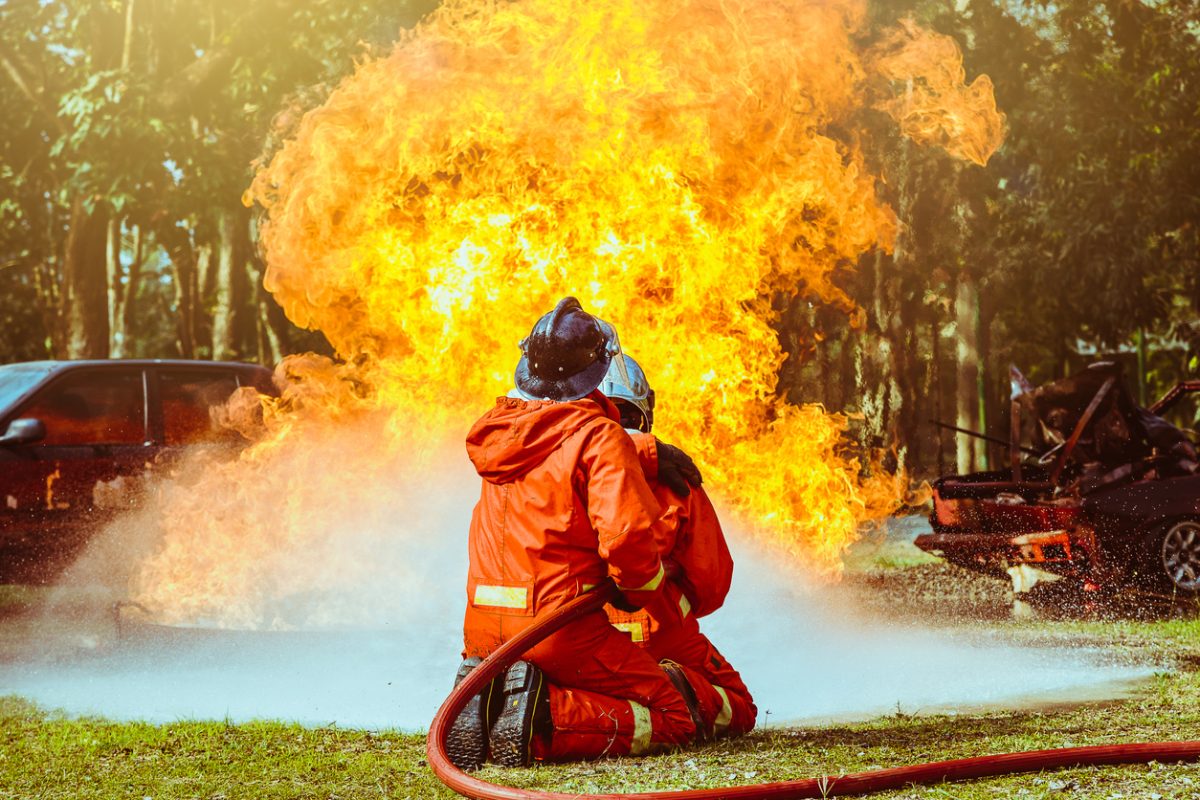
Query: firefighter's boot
x,y
680,681
524,714
467,740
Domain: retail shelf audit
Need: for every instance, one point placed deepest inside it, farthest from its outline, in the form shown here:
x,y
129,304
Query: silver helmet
x,y
626,381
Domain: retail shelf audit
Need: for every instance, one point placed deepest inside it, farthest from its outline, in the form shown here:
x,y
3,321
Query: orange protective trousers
x,y
700,567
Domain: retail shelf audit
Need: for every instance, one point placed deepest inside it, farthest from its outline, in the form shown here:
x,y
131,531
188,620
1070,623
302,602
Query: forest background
x,y
131,127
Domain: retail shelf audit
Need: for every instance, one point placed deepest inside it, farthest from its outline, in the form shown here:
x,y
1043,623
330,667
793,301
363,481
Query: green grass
x,y
884,554
46,755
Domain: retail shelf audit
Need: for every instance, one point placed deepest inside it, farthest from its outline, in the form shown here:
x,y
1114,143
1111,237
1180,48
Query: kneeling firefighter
x,y
697,561
563,506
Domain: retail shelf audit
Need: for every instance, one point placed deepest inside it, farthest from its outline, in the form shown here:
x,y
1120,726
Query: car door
x,y
189,398
96,438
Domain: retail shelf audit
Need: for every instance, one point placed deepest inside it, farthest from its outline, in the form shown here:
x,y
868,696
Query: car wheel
x,y
1173,563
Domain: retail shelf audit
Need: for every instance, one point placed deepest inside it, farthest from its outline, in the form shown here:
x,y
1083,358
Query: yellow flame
x,y
672,163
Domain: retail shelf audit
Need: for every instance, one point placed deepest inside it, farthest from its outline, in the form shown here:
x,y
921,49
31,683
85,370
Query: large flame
x,y
679,165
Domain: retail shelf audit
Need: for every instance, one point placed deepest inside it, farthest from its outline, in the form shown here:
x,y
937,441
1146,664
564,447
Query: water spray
x,y
850,784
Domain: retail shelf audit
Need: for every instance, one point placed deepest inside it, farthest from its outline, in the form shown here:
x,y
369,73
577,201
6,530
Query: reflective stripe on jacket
x,y
564,503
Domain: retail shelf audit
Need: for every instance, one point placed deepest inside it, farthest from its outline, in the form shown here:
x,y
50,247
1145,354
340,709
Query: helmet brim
x,y
575,387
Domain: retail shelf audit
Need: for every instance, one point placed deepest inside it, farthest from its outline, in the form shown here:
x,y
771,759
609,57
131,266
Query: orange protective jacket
x,y
564,504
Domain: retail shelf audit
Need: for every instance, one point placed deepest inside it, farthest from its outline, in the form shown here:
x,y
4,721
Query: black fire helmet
x,y
566,355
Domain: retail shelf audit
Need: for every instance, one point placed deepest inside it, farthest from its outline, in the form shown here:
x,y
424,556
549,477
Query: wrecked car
x,y
1099,492
75,437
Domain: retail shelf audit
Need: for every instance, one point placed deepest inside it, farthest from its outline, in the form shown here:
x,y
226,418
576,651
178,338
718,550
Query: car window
x,y
91,407
15,380
187,402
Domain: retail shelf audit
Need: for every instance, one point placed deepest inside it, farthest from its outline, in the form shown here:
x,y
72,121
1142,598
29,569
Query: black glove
x,y
676,470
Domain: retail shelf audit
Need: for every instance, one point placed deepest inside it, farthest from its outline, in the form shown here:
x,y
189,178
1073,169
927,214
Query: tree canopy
x,y
132,127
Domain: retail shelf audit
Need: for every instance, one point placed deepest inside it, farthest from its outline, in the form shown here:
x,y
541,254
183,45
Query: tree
x,y
132,133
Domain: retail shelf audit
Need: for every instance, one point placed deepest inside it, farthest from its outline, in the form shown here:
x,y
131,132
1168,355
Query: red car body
x,y
73,432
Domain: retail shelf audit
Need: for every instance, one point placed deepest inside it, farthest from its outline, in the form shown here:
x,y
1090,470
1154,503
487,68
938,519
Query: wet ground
x,y
912,639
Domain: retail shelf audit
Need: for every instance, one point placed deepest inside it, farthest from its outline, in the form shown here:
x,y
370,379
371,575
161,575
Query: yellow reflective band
x,y
652,585
642,729
502,596
634,629
726,716
685,605
587,587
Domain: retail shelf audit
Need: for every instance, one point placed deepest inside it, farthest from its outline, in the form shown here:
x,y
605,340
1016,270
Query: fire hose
x,y
831,786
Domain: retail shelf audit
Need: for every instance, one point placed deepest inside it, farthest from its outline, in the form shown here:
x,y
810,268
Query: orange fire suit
x,y
564,504
699,571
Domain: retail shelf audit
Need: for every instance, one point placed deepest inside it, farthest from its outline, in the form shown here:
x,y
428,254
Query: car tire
x,y
1171,557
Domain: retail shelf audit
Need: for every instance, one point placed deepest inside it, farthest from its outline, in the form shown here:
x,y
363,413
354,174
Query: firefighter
x,y
695,555
564,505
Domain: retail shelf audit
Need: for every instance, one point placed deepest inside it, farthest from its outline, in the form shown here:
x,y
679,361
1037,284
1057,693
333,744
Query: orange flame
x,y
673,163
934,104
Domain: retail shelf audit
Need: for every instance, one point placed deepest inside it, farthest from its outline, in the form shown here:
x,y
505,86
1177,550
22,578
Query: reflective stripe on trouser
x,y
608,697
725,702
590,725
721,725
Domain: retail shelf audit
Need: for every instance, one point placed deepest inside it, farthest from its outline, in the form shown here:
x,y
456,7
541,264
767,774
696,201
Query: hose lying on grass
x,y
831,786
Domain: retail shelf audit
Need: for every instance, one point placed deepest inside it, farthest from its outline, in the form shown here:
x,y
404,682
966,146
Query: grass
x,y
45,755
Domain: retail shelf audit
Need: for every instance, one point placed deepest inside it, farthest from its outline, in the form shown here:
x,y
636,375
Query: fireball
x,y
681,166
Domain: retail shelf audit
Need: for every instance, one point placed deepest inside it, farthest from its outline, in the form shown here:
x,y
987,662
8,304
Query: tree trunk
x,y
122,294
129,306
271,323
934,386
122,290
966,305
84,274
908,369
183,265
114,271
993,384
224,340
871,353
849,362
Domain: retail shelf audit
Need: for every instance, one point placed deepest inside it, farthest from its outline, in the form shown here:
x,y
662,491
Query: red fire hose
x,y
832,786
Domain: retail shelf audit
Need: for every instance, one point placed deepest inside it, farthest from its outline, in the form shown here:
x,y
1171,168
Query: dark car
x,y
76,434
1109,500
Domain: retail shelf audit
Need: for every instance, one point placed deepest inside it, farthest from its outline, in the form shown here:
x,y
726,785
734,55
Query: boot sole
x,y
684,687
467,739
513,731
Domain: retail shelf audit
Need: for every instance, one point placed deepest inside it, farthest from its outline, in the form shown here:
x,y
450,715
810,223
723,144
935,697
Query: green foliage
x,y
22,332
1080,234
151,114
1095,208
1082,228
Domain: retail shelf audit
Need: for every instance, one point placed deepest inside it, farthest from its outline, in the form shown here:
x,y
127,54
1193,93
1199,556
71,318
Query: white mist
x,y
380,643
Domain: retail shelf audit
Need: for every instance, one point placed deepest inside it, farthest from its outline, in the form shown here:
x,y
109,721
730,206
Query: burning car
x,y
1106,494
77,434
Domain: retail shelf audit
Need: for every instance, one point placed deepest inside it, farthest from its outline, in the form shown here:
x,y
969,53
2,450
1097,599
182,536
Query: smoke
x,y
353,545
807,654
381,638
